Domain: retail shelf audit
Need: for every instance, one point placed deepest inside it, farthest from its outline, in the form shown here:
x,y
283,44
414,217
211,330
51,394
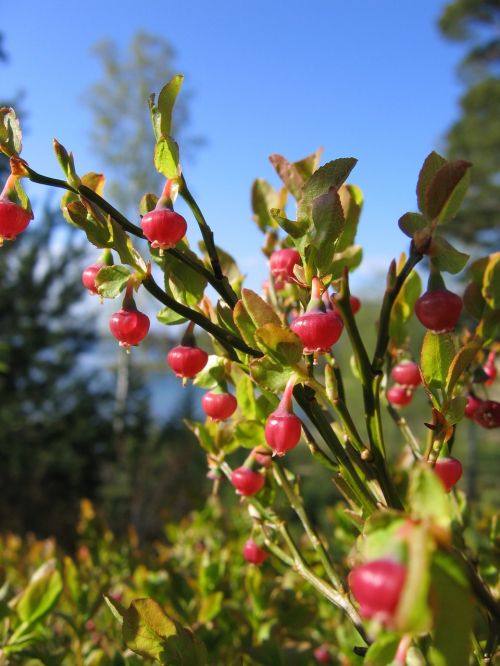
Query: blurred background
x,y
385,82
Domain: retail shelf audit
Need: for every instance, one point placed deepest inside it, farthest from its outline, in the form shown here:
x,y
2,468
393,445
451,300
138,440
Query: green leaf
x,y
182,282
404,305
149,632
491,281
410,223
427,498
453,611
203,434
351,198
260,312
66,162
379,538
446,190
269,375
295,229
112,280
121,242
213,374
166,102
250,434
308,165
41,594
413,613
94,181
145,626
101,230
460,363
10,132
383,651
147,203
445,257
211,606
169,317
225,316
244,393
438,351
349,258
72,580
228,265
22,197
245,325
473,299
328,219
166,157
455,410
489,327
433,162
288,173
116,608
295,174
98,231
280,342
331,174
264,198
477,269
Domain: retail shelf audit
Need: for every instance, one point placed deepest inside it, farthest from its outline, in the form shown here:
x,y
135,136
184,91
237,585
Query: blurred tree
x,y
158,465
3,55
476,134
121,124
54,429
57,440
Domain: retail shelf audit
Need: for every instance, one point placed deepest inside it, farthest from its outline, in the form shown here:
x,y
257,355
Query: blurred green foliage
x,y
196,573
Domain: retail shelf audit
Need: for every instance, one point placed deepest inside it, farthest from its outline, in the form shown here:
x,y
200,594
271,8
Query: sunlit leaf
x,y
280,342
112,280
260,312
446,190
166,102
433,162
41,594
166,157
438,351
10,132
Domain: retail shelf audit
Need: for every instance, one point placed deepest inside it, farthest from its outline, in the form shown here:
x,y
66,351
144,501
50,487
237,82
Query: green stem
x,y
406,431
337,598
133,229
317,453
364,367
370,381
390,296
342,413
297,505
208,238
226,338
359,487
297,561
480,588
340,384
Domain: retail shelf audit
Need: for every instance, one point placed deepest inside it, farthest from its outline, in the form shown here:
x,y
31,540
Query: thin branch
x,y
133,229
306,400
297,505
406,431
208,238
390,296
224,337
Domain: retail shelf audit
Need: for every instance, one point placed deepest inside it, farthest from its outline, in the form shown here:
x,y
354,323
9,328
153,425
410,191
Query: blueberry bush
x,y
405,571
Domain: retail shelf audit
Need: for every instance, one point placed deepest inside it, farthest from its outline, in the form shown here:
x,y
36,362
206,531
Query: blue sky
x,y
368,79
